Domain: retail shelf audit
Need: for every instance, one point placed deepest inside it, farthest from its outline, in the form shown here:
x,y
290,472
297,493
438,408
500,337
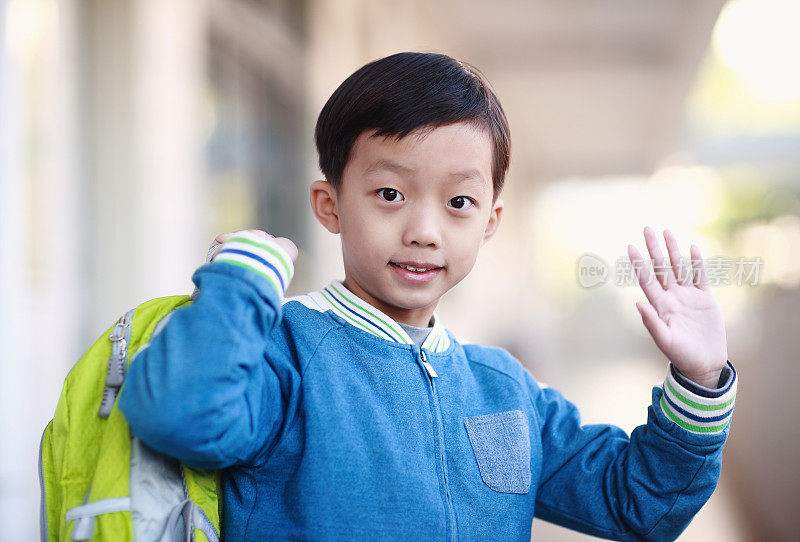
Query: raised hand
x,y
283,242
682,315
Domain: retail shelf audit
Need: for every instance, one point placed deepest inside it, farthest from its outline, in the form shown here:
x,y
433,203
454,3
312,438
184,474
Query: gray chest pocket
x,y
502,448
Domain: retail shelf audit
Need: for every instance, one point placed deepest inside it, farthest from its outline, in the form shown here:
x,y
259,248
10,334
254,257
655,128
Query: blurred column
x,y
168,58
12,368
39,264
142,82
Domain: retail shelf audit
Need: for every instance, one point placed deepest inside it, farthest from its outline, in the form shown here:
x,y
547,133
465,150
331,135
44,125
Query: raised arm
x,y
649,486
205,390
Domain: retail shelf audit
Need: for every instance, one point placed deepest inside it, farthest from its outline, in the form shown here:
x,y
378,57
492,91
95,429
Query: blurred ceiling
x,y
591,87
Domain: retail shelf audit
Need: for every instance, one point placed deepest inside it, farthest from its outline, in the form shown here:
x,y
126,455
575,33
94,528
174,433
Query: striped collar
x,y
357,312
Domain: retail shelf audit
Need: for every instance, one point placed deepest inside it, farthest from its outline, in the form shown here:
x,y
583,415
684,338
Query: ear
x,y
323,203
494,220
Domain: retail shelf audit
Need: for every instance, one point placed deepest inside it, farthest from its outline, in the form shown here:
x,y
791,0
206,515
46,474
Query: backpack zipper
x,y
43,499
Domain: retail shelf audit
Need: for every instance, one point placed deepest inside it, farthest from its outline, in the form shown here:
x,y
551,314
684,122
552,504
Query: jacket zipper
x,y
431,378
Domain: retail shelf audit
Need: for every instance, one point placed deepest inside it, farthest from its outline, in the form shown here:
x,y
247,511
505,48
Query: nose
x,y
422,228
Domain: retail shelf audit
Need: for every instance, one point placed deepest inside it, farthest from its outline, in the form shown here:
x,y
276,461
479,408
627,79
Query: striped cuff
x,y
262,256
695,412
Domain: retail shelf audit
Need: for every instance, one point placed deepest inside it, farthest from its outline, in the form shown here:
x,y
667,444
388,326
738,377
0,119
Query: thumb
x,y
654,324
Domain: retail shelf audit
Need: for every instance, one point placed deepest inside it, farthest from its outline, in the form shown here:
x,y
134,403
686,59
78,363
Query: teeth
x,y
415,269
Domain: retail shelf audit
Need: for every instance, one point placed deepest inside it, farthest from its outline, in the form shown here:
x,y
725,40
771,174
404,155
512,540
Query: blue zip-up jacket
x,y
332,425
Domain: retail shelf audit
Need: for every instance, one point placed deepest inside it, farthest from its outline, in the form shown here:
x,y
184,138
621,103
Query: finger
x,y
651,288
261,233
682,274
699,279
222,237
654,324
661,269
288,246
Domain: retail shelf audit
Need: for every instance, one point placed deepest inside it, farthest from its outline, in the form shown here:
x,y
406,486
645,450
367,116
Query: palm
x,y
682,317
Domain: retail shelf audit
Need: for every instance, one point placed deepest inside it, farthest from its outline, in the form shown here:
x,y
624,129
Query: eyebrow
x,y
395,167
471,173
390,165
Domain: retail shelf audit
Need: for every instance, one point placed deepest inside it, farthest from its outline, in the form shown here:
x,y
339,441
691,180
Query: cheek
x,y
353,226
465,243
365,241
468,236
463,247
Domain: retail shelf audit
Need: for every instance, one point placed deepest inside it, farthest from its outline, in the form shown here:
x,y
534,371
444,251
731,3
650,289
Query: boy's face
x,y
424,201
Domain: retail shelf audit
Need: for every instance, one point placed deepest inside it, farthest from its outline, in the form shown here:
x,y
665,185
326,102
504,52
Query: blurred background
x,y
134,131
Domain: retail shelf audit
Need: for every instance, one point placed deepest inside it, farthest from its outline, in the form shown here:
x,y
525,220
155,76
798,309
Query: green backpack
x,y
98,481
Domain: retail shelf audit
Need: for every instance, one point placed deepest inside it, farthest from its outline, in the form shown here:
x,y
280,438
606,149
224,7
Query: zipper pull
x,y
428,366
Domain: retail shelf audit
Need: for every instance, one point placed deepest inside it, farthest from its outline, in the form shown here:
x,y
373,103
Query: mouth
x,y
416,272
416,267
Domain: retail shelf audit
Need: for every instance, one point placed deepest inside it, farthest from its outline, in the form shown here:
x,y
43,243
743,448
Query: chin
x,y
419,302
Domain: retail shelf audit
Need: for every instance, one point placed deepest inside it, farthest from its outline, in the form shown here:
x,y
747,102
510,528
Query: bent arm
x,y
597,480
205,389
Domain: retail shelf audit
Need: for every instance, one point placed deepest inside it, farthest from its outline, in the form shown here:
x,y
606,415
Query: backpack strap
x,y
84,515
190,516
117,363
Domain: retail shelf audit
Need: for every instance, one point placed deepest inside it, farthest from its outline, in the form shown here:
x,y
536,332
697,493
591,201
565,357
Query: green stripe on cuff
x,y
273,282
689,427
699,406
281,258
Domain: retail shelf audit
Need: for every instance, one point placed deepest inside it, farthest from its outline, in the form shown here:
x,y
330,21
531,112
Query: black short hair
x,y
401,93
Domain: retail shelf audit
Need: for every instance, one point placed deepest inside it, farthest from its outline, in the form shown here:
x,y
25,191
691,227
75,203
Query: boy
x,y
352,413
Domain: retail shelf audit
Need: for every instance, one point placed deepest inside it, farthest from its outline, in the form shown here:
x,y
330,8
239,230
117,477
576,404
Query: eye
x,y
390,194
461,202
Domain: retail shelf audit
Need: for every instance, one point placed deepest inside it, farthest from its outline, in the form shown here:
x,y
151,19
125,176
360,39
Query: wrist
x,y
707,380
